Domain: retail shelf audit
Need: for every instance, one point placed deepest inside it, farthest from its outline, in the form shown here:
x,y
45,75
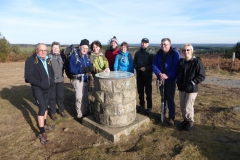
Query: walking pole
x,y
162,100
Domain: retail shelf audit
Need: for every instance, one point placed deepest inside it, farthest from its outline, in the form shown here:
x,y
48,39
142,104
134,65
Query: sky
x,y
70,21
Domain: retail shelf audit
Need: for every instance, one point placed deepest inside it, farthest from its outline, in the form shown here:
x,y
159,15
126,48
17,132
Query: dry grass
x,y
216,134
221,63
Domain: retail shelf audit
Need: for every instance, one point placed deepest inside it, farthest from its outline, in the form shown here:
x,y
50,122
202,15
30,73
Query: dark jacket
x,y
36,74
190,75
171,64
144,58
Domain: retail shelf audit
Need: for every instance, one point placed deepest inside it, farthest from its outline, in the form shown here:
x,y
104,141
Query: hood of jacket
x,y
124,54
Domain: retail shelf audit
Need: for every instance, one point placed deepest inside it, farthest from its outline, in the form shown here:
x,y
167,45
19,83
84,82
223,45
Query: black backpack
x,y
65,54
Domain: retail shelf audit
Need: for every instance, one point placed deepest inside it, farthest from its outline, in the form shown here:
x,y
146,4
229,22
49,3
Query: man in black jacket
x,y
39,73
143,65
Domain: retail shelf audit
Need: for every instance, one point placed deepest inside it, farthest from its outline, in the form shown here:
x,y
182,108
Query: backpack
x,y
65,54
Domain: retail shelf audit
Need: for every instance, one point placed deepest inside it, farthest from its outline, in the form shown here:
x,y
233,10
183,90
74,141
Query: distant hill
x,y
158,45
227,45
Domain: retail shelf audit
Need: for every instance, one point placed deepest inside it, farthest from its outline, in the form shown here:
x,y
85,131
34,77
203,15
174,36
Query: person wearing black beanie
x,y
80,67
84,42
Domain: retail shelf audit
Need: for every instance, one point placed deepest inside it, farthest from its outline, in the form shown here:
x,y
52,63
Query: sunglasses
x,y
184,50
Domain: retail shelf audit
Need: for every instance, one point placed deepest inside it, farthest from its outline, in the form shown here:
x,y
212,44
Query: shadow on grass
x,y
213,142
19,97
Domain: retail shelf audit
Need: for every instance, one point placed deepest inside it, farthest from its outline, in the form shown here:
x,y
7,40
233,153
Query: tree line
x,y
12,52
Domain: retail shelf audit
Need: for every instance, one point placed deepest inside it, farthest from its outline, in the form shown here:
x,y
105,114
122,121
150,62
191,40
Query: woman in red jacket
x,y
112,52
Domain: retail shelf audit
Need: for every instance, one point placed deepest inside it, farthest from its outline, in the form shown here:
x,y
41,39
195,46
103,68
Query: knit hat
x,y
84,42
114,39
145,40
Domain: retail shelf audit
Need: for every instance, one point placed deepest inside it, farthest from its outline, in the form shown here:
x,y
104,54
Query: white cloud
x,y
27,21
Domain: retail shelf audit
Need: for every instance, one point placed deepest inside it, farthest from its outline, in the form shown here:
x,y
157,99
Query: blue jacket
x,y
76,67
123,62
171,64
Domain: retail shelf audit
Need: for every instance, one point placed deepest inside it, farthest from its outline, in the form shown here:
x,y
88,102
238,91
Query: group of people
x,y
45,73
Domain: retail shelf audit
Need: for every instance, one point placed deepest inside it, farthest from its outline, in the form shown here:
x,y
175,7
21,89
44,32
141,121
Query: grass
x,y
216,134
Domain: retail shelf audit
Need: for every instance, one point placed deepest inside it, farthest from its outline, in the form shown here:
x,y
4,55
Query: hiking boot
x,y
49,127
140,108
63,114
189,126
54,117
182,124
43,138
171,122
149,111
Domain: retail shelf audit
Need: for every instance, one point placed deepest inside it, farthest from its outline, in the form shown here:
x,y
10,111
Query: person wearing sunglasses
x,y
191,73
165,66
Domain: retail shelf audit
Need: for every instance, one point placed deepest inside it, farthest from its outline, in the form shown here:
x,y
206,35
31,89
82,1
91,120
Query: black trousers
x,y
56,97
41,98
144,83
169,93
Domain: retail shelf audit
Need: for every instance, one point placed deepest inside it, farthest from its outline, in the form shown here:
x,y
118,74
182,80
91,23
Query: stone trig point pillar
x,y
115,105
115,98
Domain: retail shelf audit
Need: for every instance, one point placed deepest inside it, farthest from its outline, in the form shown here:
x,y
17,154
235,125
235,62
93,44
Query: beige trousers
x,y
81,93
186,104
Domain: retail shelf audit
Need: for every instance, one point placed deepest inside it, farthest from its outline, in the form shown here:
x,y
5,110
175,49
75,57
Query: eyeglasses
x,y
164,44
184,50
43,51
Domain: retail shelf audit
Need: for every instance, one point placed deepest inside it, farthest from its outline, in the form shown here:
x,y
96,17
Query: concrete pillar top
x,y
114,75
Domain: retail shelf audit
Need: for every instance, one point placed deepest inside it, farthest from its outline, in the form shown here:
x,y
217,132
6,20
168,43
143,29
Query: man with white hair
x,y
39,72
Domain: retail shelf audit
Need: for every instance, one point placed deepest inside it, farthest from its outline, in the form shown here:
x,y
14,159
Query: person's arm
x,y
29,73
151,53
175,65
115,66
73,67
200,73
131,64
155,66
135,61
106,65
